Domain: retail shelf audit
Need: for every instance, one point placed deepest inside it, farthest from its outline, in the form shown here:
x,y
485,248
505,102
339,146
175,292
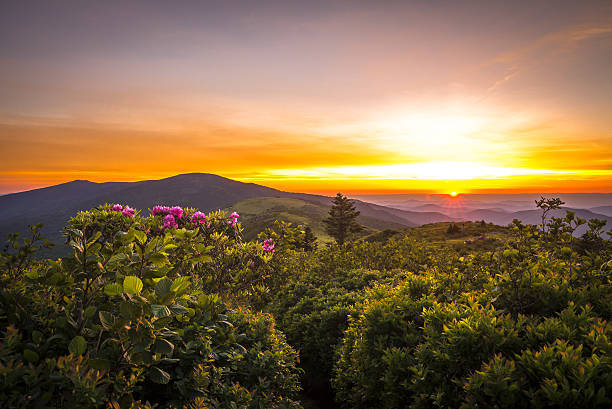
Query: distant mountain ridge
x,y
54,205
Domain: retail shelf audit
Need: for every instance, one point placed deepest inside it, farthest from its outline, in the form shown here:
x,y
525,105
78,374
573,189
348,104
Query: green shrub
x,y
138,315
383,331
313,313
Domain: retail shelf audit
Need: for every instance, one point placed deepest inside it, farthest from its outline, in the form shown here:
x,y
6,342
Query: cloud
x,y
535,52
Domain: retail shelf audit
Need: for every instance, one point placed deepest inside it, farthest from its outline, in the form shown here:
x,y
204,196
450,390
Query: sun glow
x,y
453,194
437,170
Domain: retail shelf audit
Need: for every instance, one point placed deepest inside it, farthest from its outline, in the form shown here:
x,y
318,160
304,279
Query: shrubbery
x,y
166,310
139,314
433,327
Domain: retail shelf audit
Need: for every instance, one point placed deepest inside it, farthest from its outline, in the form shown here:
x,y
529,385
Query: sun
x,y
453,194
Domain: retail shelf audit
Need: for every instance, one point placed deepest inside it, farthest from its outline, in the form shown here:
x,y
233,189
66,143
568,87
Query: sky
x,y
352,96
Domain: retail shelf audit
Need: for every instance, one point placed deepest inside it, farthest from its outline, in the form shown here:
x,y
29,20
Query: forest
x,y
174,308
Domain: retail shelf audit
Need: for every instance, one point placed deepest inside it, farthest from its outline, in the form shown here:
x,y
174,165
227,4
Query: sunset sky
x,y
358,97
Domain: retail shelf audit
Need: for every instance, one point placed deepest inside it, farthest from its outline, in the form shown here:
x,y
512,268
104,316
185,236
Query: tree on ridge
x,y
342,220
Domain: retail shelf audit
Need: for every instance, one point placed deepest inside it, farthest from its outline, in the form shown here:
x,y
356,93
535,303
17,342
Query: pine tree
x,y
342,220
309,242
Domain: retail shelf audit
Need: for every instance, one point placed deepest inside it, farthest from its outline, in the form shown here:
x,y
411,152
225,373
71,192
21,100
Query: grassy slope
x,y
258,213
478,236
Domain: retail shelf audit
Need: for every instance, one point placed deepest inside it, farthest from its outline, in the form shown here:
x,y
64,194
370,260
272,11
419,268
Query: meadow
x,y
175,308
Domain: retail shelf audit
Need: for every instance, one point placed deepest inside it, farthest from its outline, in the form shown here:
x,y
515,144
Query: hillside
x,y
258,213
54,205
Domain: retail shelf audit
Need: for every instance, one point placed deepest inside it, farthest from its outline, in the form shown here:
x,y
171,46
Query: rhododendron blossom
x,y
198,218
162,210
117,208
268,246
169,222
177,212
234,217
128,211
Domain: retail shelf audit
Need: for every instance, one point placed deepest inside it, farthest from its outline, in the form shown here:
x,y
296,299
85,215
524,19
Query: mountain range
x,y
259,205
54,205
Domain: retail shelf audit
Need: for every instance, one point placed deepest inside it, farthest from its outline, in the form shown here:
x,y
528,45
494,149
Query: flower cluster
x,y
234,217
169,222
170,215
126,211
268,246
160,210
175,211
198,218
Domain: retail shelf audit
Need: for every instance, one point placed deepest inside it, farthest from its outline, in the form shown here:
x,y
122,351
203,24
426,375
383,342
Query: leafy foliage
x,y
139,313
157,311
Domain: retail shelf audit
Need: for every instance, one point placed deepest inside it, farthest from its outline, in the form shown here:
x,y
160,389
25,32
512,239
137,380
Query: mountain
x,y
605,210
498,208
54,205
260,205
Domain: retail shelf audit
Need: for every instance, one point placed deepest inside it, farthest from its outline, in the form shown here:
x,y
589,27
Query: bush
x,y
138,314
313,313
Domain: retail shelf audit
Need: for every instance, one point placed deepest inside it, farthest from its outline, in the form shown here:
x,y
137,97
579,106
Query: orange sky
x,y
353,98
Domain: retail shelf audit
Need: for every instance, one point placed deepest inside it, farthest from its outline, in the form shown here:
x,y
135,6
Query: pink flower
x,y
268,246
234,217
176,211
169,222
117,208
160,210
128,211
198,218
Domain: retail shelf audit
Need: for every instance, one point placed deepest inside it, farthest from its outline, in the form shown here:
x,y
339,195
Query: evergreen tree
x,y
309,242
342,220
453,229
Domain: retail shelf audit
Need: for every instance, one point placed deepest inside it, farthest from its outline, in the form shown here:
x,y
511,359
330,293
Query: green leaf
x,y
140,236
30,356
93,239
37,336
90,311
169,246
178,309
159,259
160,310
77,346
163,346
130,310
132,285
128,237
162,288
180,284
204,258
75,232
113,289
117,257
55,279
159,376
106,319
99,363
